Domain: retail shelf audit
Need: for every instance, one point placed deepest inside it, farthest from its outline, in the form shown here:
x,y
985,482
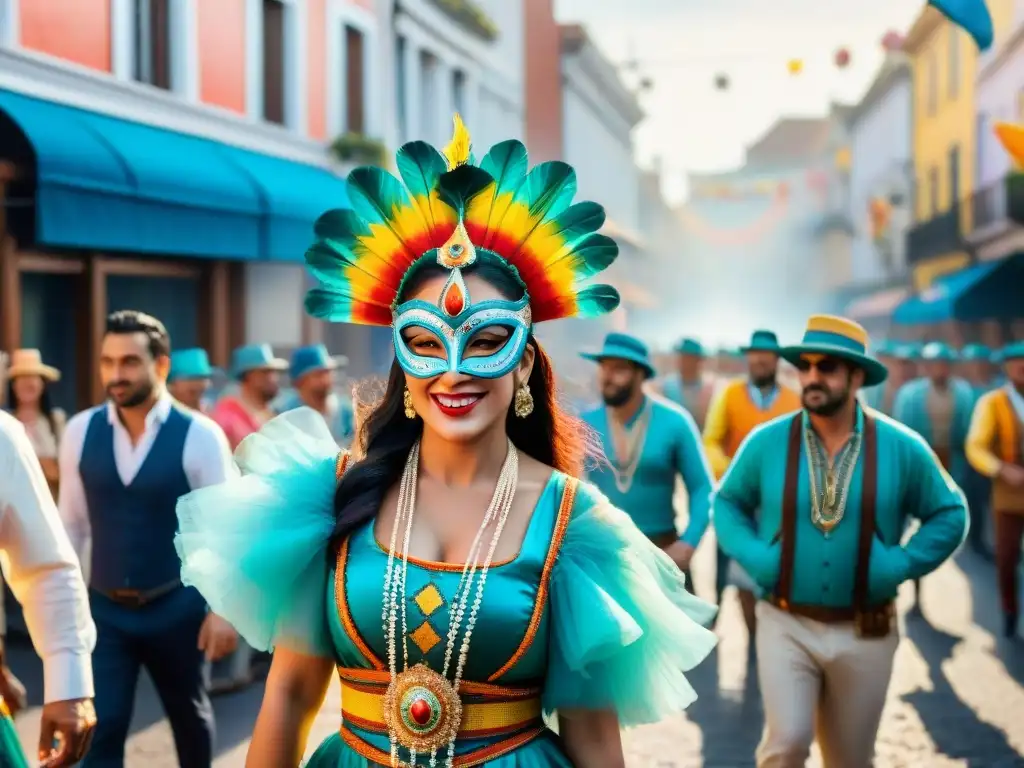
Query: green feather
x,y
506,163
596,300
548,189
420,166
578,220
591,255
459,186
340,224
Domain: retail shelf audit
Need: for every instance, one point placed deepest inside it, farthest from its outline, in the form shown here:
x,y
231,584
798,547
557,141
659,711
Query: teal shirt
x,y
748,516
684,393
911,408
673,448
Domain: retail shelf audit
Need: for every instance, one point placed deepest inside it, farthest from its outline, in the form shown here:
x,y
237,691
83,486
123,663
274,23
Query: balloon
x,y
971,16
796,66
842,58
1012,138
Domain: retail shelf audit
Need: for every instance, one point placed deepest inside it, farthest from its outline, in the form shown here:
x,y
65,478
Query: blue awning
x,y
104,183
991,291
293,196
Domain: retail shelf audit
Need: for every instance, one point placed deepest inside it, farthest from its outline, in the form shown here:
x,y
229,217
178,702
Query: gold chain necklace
x,y
828,504
634,439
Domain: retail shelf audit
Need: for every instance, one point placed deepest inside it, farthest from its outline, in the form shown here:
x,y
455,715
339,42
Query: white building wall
x,y
1000,97
599,145
435,48
881,149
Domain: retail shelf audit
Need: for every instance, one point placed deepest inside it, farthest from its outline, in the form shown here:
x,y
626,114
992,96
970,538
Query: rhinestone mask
x,y
454,321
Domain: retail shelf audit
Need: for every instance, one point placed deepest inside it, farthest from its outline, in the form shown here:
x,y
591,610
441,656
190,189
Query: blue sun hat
x,y
190,364
622,346
938,351
689,347
975,352
313,358
762,341
1012,351
838,337
255,357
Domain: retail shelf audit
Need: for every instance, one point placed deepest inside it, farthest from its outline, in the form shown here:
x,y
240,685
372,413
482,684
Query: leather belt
x,y
827,614
138,598
663,540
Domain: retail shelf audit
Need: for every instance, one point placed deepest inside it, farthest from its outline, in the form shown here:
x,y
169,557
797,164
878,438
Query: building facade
x,y
599,114
881,193
171,156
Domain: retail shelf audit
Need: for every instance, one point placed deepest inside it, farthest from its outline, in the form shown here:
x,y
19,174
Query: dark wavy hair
x,y
549,434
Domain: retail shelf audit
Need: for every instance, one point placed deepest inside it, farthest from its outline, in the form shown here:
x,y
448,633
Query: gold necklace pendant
x,y
422,709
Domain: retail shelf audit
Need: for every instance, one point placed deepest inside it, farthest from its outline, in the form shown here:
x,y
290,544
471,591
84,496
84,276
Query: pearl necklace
x,y
395,601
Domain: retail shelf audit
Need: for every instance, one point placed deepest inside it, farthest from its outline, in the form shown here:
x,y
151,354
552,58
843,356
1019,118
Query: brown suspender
x,y
869,498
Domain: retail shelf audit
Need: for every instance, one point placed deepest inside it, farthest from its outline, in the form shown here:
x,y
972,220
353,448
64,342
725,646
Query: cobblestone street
x,y
956,699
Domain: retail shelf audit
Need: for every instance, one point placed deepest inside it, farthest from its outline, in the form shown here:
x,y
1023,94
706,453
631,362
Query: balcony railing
x,y
997,207
935,237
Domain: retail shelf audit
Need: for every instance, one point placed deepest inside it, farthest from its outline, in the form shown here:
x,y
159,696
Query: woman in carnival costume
x,y
458,578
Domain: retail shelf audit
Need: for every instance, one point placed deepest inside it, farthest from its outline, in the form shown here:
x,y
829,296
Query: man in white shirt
x,y
44,575
123,465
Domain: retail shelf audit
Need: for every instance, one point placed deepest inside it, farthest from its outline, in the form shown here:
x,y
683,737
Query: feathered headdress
x,y
455,211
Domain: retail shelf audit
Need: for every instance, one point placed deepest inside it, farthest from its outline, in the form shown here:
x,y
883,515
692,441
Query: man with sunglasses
x,y
814,506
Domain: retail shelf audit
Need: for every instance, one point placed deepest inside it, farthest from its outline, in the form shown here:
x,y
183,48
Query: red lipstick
x,y
457,405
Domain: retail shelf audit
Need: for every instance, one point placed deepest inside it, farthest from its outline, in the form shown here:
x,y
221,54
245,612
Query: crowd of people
x,y
489,576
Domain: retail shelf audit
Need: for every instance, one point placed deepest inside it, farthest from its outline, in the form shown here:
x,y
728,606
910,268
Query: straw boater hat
x,y
29,362
839,337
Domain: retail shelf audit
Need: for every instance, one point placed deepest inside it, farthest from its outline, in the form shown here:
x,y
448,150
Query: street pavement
x,y
957,696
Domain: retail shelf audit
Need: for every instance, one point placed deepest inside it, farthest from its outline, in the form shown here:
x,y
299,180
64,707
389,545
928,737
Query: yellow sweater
x,y
995,438
733,415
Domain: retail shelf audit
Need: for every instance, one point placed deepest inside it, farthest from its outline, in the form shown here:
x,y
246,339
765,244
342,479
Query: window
x,y
428,96
933,191
355,81
932,85
273,61
981,150
401,87
459,92
151,27
954,175
953,83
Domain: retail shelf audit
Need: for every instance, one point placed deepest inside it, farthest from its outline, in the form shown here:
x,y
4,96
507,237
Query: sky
x,y
683,44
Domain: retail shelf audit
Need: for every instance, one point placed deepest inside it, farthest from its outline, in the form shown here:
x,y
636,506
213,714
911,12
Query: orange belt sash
x,y
487,710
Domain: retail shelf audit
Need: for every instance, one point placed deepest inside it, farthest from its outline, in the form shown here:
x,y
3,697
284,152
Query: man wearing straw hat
x,y
995,448
650,443
46,577
258,374
813,507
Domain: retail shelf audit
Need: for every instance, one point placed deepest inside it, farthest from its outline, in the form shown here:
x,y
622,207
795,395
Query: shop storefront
x,y
101,214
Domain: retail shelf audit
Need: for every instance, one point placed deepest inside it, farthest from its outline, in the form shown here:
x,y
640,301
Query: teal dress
x,y
11,754
588,614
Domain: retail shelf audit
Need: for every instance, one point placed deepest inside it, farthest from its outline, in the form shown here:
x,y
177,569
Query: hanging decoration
x,y
892,41
1012,138
972,16
721,82
879,217
746,235
842,58
795,66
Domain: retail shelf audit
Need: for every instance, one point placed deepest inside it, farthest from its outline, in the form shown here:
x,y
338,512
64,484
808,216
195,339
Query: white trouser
x,y
820,679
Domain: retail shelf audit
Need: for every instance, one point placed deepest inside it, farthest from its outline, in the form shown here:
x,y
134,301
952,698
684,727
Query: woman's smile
x,y
457,404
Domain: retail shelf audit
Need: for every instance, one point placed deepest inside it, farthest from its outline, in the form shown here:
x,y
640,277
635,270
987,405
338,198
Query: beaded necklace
x,y
830,478
422,709
634,438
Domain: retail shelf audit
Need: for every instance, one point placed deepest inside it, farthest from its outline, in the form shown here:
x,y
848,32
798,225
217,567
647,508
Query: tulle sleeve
x,y
623,627
256,546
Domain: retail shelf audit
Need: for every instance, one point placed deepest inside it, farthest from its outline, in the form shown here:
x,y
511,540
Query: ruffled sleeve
x,y
256,546
623,627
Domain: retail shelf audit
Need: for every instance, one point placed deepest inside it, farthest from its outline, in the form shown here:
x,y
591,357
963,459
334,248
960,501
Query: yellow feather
x,y
457,151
